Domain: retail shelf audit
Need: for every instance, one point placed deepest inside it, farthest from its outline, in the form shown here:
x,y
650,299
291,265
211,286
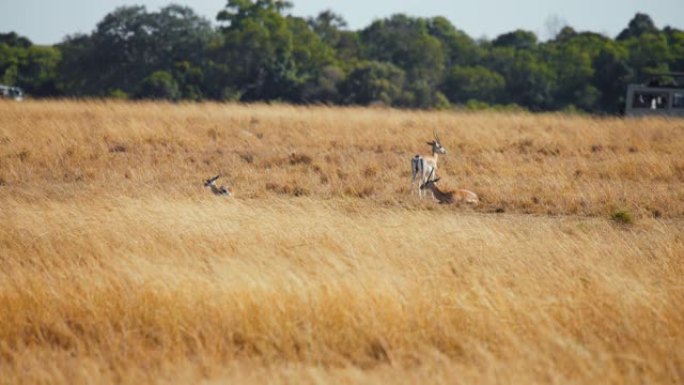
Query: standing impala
x,y
422,166
456,196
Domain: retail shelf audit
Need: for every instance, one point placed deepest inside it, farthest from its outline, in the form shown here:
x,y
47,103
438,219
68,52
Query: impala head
x,y
437,147
430,182
210,181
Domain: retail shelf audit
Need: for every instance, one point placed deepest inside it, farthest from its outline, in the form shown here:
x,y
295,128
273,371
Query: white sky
x,y
49,21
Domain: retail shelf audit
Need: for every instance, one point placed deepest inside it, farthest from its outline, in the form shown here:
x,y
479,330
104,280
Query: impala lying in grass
x,y
217,190
448,197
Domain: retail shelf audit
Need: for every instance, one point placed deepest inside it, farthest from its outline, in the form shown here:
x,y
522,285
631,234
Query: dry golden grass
x,y
116,266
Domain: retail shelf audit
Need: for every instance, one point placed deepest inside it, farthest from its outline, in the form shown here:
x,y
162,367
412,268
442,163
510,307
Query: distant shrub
x,y
118,94
622,216
159,85
441,101
230,94
476,105
571,109
511,107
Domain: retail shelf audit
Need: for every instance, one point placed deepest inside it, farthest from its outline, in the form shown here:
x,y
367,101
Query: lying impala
x,y
211,183
448,197
422,166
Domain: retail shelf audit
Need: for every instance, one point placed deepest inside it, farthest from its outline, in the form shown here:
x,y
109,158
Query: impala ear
x,y
430,143
436,180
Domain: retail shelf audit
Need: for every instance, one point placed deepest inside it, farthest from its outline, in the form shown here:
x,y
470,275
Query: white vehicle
x,y
656,97
11,92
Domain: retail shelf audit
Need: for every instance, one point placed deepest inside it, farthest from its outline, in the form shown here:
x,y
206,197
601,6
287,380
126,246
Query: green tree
x,y
270,56
530,81
572,64
373,82
190,79
38,72
459,48
77,69
675,39
406,43
566,34
648,53
518,39
328,26
324,88
640,24
158,85
12,39
331,29
31,67
611,76
479,83
10,58
129,44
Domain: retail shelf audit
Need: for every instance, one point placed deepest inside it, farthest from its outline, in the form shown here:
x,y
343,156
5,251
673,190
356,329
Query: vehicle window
x,y
678,100
650,100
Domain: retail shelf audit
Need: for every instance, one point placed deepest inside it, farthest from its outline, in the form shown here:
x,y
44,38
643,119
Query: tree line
x,y
257,52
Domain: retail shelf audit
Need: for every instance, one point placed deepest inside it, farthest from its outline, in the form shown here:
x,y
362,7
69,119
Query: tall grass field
x,y
324,267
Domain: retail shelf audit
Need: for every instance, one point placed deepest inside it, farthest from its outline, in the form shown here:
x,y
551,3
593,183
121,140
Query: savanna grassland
x,y
117,266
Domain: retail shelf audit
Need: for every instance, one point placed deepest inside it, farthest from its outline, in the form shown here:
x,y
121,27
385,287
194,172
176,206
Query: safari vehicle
x,y
658,97
11,92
